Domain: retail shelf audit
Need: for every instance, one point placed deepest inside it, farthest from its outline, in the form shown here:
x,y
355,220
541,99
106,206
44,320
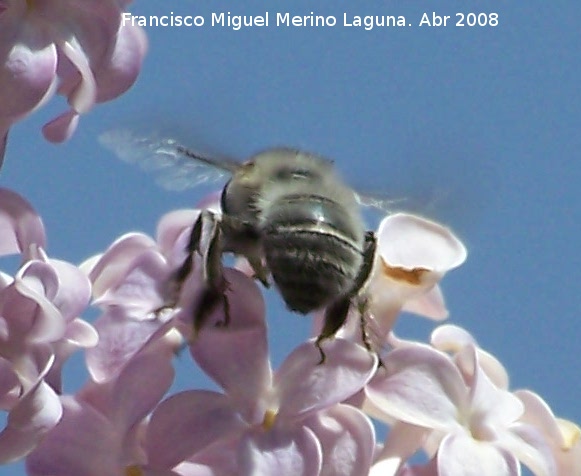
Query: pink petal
x,y
410,242
292,452
62,127
120,71
220,458
173,232
37,412
303,385
347,439
452,339
84,443
119,339
492,408
241,365
429,469
81,334
27,68
430,304
402,442
29,310
538,414
74,291
10,388
420,386
20,226
139,387
530,446
83,96
141,290
562,437
463,456
186,423
111,268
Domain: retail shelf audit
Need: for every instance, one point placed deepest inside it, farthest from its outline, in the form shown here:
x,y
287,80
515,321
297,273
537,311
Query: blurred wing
x,y
176,167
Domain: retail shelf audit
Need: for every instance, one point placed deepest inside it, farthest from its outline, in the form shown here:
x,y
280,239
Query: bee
x,y
286,211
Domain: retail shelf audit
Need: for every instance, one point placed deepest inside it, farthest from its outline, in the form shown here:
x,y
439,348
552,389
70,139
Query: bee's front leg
x,y
205,241
213,281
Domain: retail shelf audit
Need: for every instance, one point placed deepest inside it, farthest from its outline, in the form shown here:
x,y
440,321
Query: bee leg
x,y
215,284
335,316
260,271
336,313
362,305
362,277
175,283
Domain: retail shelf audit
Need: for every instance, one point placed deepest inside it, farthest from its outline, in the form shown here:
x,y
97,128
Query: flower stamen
x,y
133,470
269,418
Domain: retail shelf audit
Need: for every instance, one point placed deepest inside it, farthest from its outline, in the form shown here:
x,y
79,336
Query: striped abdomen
x,y
313,248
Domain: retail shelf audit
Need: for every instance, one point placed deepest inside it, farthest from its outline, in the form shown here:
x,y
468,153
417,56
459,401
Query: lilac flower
x,y
563,437
34,407
39,328
453,408
291,422
129,284
102,428
413,255
79,49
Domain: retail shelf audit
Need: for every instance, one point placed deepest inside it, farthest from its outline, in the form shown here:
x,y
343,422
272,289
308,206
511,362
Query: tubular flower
x,y
290,422
130,281
77,48
413,254
39,328
102,427
453,407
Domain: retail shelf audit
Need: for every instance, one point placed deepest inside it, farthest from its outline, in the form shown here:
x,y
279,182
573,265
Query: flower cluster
x,y
449,398
79,49
40,328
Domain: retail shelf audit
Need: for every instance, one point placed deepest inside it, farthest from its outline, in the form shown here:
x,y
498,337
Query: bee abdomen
x,y
311,267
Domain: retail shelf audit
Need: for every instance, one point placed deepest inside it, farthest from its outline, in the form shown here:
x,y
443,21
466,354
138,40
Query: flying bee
x,y
285,210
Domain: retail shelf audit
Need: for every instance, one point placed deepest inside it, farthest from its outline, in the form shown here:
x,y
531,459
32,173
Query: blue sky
x,y
477,127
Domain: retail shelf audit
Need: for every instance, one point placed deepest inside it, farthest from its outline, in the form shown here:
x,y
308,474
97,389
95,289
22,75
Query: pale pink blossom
x,y
78,49
288,422
33,406
39,327
413,255
102,428
130,284
451,407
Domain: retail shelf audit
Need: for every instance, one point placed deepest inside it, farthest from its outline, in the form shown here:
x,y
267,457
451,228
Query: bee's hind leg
x,y
335,316
336,313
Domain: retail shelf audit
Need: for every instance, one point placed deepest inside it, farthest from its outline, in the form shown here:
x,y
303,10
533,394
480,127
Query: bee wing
x,y
176,167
